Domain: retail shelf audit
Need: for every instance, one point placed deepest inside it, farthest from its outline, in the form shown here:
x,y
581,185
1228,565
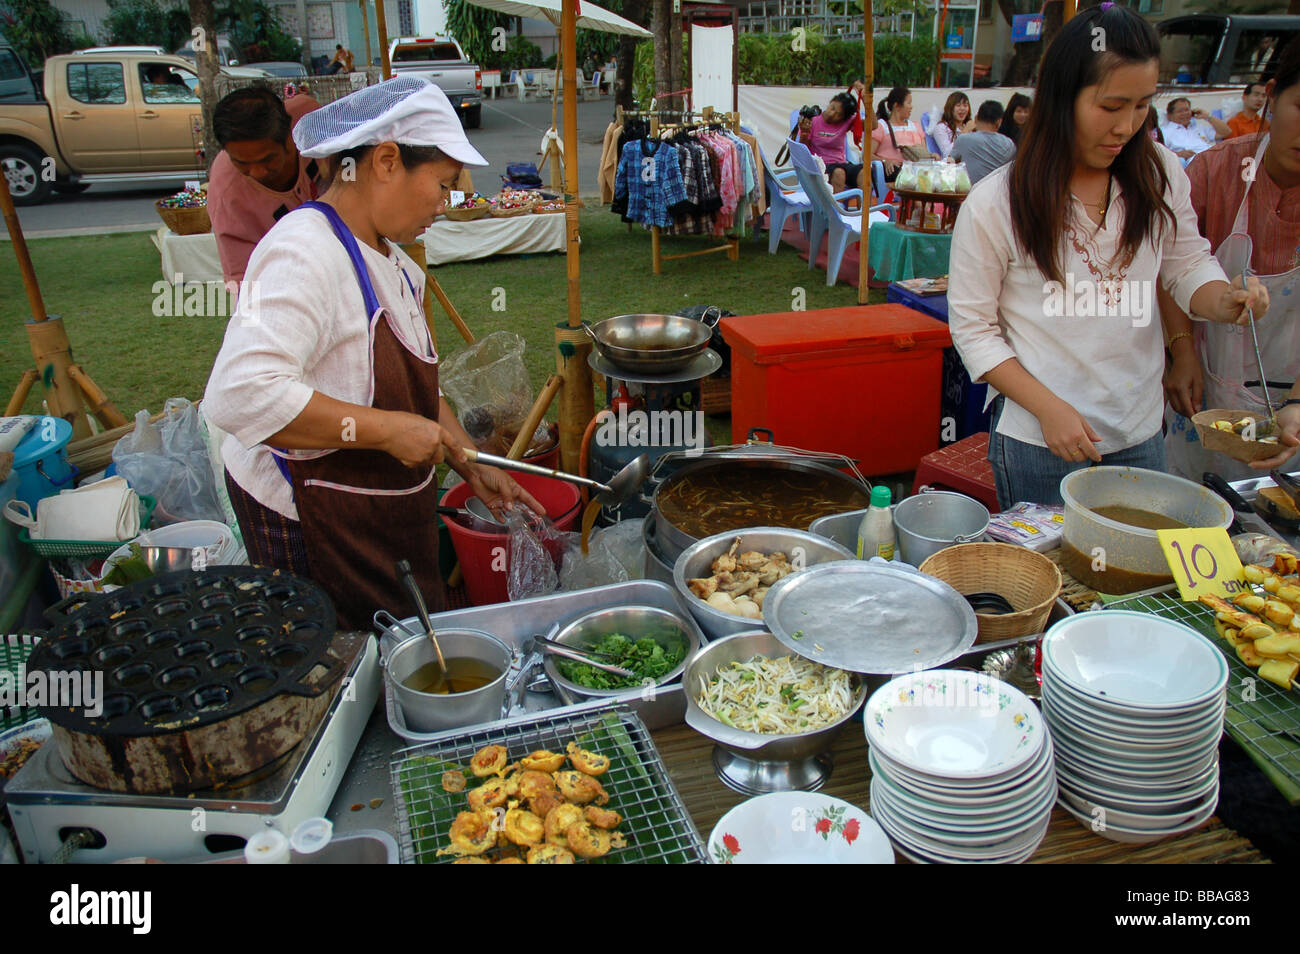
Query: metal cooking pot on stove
x,y
718,464
650,344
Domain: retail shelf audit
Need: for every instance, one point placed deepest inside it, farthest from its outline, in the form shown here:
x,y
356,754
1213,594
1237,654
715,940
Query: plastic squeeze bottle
x,y
876,531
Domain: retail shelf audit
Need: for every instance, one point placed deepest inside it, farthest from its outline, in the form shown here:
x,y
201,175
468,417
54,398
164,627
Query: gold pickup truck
x,y
101,117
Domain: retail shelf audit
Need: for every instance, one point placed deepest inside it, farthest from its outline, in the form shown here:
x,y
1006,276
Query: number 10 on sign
x,y
1203,561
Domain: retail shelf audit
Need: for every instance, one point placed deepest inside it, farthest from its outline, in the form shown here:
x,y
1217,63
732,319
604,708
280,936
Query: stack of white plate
x,y
1135,703
961,768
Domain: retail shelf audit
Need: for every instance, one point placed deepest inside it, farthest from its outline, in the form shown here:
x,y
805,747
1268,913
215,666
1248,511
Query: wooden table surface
x,y
689,758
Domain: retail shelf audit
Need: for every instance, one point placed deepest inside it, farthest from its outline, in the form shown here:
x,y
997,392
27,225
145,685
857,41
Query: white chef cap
x,y
405,109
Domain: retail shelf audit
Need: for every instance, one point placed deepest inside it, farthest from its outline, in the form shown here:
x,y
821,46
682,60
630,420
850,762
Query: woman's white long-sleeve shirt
x,y
1096,340
299,327
943,137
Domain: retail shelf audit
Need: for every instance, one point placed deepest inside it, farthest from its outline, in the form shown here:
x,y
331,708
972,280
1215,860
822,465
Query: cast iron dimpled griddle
x,y
187,649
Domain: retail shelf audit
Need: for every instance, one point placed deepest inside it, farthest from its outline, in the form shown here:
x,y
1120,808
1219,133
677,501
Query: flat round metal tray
x,y
870,617
701,366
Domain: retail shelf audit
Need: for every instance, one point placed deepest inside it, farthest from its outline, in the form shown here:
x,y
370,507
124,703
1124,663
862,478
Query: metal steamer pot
x,y
672,541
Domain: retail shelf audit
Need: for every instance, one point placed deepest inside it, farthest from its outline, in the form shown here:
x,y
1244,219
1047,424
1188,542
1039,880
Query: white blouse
x,y
300,327
1095,341
943,137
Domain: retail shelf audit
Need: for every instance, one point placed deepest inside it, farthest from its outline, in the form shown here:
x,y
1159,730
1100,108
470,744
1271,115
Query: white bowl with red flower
x,y
798,828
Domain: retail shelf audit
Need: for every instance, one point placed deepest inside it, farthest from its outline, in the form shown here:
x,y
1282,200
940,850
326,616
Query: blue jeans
x,y
1027,472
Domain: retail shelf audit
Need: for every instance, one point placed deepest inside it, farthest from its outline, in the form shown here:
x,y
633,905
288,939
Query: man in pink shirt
x,y
258,177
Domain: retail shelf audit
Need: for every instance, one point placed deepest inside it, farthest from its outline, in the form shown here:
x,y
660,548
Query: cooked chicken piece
x,y
753,560
723,604
743,583
703,588
727,562
759,595
748,608
773,572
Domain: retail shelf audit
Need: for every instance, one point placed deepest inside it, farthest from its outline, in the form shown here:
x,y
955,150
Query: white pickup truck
x,y
441,61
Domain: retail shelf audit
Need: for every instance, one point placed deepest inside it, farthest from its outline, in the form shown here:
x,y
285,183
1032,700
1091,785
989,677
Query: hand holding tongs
x,y
1259,360
544,644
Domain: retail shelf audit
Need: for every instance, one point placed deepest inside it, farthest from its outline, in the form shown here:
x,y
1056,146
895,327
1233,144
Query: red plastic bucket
x,y
484,557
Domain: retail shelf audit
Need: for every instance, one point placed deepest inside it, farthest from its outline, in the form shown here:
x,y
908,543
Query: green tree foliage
x,y
147,22
36,30
253,27
776,60
472,27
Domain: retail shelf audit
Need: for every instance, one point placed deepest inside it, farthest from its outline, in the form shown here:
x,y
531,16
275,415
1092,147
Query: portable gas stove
x,y
48,806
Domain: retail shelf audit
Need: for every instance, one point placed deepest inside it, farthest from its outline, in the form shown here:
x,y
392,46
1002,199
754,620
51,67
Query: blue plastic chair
x,y
878,183
930,142
1218,114
785,197
828,217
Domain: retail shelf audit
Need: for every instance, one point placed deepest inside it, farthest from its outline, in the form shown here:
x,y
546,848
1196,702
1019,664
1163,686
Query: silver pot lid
x,y
870,617
760,451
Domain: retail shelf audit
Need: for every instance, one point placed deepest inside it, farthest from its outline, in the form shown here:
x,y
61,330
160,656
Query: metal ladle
x,y
620,488
408,579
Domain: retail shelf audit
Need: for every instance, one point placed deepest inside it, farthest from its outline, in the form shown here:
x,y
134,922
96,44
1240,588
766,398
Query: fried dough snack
x,y
542,761
580,789
489,761
589,763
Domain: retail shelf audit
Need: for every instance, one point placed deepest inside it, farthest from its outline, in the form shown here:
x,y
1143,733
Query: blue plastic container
x,y
42,464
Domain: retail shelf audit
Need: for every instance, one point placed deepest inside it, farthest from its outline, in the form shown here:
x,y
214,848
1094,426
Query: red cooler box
x,y
862,381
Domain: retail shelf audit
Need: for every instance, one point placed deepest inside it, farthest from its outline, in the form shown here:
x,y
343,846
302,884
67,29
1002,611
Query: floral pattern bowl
x,y
953,724
798,828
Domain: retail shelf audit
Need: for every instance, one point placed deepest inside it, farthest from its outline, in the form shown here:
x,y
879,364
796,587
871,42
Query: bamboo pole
x,y
381,24
1071,8
365,31
46,336
543,403
577,403
868,124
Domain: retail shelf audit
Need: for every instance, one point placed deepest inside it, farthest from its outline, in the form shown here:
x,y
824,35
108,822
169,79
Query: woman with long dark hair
x,y
955,120
1246,193
1015,117
1054,264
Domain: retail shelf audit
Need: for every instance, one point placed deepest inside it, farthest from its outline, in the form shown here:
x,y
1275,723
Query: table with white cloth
x,y
447,241
188,258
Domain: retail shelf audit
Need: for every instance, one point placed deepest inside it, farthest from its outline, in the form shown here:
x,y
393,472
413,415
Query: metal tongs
x,y
544,644
1259,360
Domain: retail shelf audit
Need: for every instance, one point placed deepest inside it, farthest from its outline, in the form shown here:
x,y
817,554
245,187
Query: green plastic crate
x,y
94,549
14,651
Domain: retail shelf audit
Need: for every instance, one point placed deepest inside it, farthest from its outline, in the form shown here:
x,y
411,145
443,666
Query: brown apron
x,y
362,510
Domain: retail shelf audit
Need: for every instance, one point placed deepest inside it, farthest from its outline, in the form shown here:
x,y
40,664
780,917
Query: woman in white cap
x,y
327,382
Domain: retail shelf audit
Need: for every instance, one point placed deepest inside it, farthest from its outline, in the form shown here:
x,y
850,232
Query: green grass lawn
x,y
104,289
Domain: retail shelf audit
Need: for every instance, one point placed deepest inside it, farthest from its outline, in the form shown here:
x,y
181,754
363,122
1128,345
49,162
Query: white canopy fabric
x,y
591,17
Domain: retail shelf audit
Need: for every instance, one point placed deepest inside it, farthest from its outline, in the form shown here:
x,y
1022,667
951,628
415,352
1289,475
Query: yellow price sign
x,y
1203,561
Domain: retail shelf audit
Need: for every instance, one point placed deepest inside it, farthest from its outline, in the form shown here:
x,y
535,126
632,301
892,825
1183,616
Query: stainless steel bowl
x,y
432,712
750,762
697,560
667,629
652,344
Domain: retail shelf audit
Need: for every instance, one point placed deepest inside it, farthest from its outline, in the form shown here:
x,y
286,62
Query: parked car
x,y
442,61
97,117
1213,49
288,71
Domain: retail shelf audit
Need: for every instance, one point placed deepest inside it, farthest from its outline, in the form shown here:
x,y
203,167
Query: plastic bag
x,y
535,548
489,385
963,178
906,177
615,555
168,461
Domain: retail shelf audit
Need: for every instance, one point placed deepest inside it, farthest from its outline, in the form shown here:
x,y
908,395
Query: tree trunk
x,y
624,86
677,66
206,61
663,47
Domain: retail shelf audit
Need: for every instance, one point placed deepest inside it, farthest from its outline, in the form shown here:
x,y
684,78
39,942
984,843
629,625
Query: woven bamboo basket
x,y
1228,442
185,221
1029,581
511,213
467,215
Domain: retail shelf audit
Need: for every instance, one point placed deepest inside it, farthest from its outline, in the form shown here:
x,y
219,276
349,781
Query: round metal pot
x,y
750,762
650,344
673,540
935,520
656,567
433,712
667,629
697,561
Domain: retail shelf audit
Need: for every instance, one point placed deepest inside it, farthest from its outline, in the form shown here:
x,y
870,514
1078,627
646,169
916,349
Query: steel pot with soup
x,y
731,493
1111,518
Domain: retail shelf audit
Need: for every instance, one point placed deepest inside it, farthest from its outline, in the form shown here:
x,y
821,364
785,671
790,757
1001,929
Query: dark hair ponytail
x,y
897,96
1039,183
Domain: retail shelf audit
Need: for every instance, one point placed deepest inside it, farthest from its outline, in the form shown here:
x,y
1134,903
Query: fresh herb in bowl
x,y
645,658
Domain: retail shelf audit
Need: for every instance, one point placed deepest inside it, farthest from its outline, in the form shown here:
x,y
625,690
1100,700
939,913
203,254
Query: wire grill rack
x,y
1262,718
14,650
656,824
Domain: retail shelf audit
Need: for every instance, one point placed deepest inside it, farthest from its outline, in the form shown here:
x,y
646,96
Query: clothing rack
x,y
707,118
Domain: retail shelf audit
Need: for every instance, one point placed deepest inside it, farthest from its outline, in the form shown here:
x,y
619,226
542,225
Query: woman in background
x,y
1015,117
956,119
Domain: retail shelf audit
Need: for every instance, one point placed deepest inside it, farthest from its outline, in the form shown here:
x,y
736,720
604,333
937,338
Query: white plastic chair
x,y
828,217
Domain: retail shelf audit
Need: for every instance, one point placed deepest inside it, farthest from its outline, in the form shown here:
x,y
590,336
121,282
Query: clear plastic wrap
x,y
615,554
168,461
535,546
488,383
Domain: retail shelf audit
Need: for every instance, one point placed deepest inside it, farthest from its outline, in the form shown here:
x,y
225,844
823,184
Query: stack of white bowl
x,y
1135,703
961,768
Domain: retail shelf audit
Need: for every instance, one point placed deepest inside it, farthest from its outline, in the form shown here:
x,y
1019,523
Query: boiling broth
x,y
463,675
732,498
1134,517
